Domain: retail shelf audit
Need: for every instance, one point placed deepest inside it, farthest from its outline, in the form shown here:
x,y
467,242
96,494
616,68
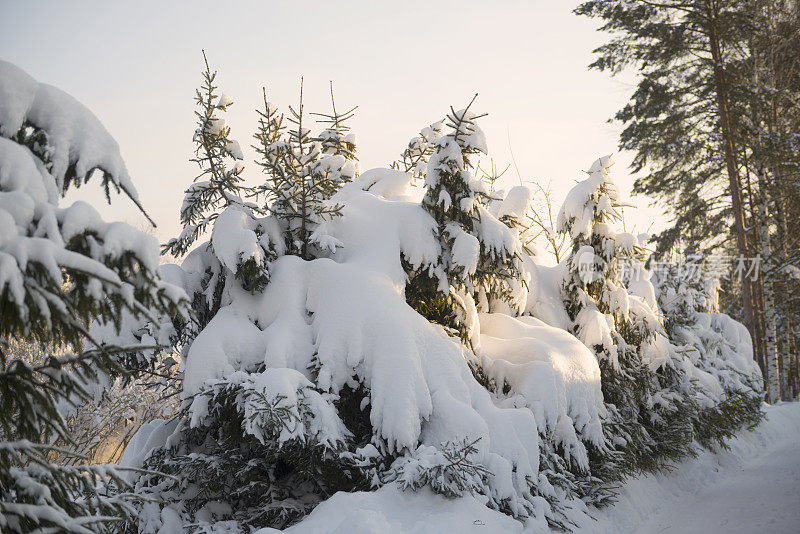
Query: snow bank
x,y
555,375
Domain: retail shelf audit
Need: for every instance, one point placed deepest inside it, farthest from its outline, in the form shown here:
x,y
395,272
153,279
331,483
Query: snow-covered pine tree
x,y
480,262
264,445
728,389
623,330
243,240
60,269
414,159
303,173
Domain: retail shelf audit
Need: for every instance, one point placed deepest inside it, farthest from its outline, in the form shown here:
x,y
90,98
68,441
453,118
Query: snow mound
x,y
557,377
388,183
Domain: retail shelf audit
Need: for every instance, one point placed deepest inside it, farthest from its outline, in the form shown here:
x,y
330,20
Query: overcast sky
x,y
136,64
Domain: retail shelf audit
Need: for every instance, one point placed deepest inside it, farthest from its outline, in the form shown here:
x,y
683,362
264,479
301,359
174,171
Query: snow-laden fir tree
x,y
303,172
480,263
264,445
728,389
243,239
647,422
219,158
60,269
414,159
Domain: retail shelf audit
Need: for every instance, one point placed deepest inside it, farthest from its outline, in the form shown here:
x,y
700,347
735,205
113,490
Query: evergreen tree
x,y
647,424
264,446
62,268
243,239
414,159
480,258
303,173
219,157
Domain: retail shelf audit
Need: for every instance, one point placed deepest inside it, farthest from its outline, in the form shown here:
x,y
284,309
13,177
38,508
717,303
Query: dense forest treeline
x,y
714,123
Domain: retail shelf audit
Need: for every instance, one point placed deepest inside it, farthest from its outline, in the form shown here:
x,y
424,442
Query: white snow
x,y
752,487
598,189
555,375
466,248
516,203
74,135
387,183
234,238
390,510
224,101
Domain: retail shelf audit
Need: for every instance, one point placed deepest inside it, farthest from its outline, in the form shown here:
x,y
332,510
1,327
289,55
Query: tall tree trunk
x,y
734,186
756,284
789,372
770,315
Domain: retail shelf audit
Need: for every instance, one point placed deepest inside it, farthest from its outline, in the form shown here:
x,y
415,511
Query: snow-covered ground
x,y
754,487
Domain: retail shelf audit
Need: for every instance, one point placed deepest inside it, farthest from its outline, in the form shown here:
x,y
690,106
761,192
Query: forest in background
x,y
714,124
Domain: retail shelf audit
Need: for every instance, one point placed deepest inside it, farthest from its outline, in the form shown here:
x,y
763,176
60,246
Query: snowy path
x,y
754,488
764,496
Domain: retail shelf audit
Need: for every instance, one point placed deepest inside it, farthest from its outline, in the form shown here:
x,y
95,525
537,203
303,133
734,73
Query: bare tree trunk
x,y
770,315
734,186
756,284
788,346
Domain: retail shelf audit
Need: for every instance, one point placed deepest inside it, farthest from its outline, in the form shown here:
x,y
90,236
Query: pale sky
x,y
136,65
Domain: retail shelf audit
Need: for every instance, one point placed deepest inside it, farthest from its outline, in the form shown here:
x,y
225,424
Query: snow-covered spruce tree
x,y
60,269
337,141
728,388
648,421
220,160
264,445
480,263
243,240
303,173
414,159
